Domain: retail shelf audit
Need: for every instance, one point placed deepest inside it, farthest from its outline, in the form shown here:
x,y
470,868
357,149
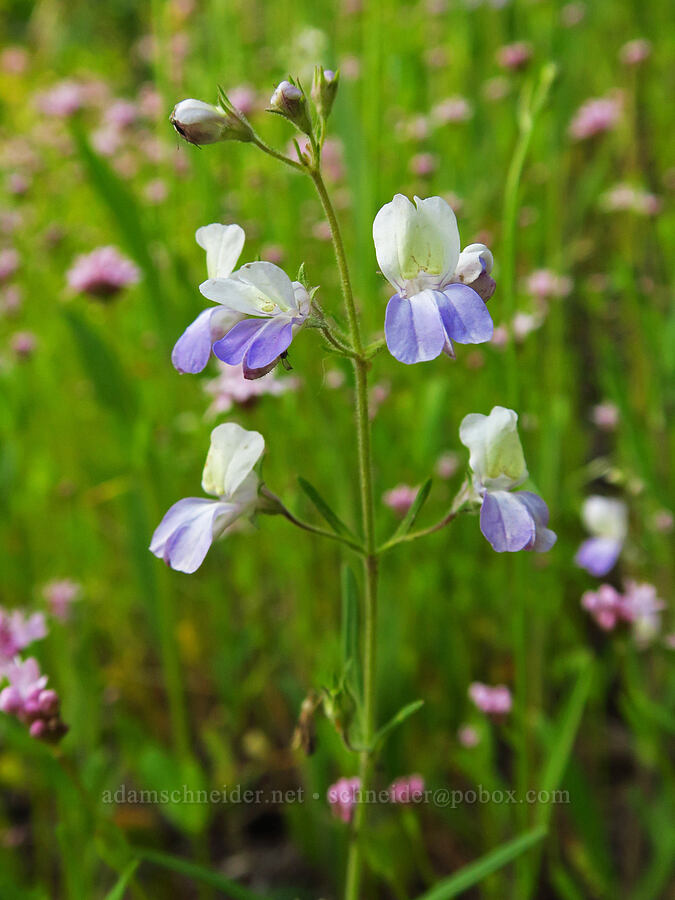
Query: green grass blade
x,y
475,872
117,892
231,889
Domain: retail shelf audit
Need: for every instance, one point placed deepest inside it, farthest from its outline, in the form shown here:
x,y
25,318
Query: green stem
x,y
531,104
278,507
361,366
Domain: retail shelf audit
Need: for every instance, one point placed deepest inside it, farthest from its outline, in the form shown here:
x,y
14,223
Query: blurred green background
x,y
169,679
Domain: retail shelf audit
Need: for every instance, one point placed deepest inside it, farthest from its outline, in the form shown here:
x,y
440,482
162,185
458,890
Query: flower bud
x,y
324,89
289,101
201,123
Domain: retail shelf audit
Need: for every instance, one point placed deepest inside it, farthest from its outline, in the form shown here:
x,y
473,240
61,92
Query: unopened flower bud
x,y
324,89
201,123
290,102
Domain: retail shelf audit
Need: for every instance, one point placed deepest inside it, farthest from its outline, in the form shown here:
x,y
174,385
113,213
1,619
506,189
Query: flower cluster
x,y
102,274
494,701
26,696
639,606
343,796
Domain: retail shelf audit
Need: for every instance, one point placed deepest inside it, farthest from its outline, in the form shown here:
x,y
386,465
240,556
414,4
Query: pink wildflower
x,y
230,388
18,631
102,273
60,596
495,701
635,52
544,284
468,737
514,56
9,263
605,416
447,464
24,344
605,606
400,498
594,117
62,100
409,789
452,109
343,797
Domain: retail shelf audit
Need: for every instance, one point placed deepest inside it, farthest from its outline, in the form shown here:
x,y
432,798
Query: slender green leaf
x,y
117,892
351,658
113,389
332,518
404,713
562,740
231,889
414,510
475,872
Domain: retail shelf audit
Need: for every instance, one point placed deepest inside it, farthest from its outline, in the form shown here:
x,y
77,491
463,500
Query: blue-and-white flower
x,y
183,537
509,520
606,518
418,251
223,245
275,309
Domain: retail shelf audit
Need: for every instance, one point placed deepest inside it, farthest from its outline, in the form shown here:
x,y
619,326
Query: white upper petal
x,y
605,517
496,455
416,242
473,261
232,455
223,245
257,289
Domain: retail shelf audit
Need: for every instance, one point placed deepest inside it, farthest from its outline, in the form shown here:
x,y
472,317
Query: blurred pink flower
x,y
9,263
14,60
514,56
663,520
495,701
343,797
572,14
605,416
120,114
11,300
107,140
543,284
496,88
230,388
60,596
17,184
156,191
400,498
468,737
594,117
102,273
447,464
642,607
244,97
626,197
27,699
409,789
24,344
62,100
635,52
18,631
604,605
452,109
423,164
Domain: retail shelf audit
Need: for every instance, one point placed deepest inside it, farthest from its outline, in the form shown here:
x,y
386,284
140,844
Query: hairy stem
x,y
355,858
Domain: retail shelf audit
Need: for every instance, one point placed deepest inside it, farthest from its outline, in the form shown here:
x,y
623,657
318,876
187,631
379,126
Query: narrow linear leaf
x,y
117,892
350,628
231,889
475,872
324,509
562,740
414,510
404,713
113,389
